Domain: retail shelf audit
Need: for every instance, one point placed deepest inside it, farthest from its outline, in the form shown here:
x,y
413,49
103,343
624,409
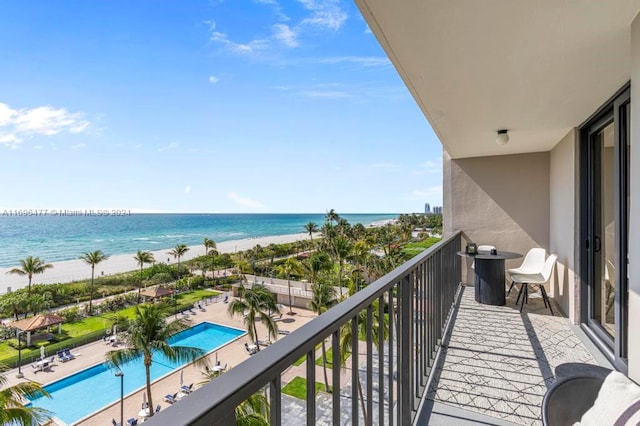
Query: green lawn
x,y
86,330
413,249
329,358
298,387
303,358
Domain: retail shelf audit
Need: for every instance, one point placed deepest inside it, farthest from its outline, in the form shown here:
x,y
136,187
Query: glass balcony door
x,y
605,209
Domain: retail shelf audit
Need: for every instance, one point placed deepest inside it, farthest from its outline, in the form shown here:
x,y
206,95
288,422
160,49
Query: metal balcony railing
x,y
416,299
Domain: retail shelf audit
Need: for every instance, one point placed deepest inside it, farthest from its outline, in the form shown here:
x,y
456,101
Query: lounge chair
x,y
171,398
158,408
62,357
226,299
132,422
68,354
36,368
186,389
250,349
115,423
284,332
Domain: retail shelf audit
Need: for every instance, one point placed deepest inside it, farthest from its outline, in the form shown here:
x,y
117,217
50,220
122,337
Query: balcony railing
x,y
416,299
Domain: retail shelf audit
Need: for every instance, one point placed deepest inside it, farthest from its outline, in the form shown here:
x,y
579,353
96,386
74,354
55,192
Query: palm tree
x,y
141,258
311,227
324,297
378,326
317,262
209,245
256,302
331,216
149,333
290,266
179,251
342,249
254,411
30,266
93,258
12,409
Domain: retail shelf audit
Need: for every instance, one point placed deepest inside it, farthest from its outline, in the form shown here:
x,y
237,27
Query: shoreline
x,y
67,271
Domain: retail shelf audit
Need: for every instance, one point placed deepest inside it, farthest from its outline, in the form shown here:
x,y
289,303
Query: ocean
x,y
65,237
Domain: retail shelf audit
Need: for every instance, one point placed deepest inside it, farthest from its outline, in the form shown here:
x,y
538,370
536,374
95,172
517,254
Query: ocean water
x,y
65,237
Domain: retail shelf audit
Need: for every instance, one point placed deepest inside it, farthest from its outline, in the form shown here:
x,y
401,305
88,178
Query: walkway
x,y
499,362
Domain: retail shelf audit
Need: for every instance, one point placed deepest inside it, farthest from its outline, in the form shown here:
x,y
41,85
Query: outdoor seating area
x,y
65,355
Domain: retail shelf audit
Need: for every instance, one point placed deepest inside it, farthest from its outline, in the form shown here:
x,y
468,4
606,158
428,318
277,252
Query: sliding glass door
x,y
604,212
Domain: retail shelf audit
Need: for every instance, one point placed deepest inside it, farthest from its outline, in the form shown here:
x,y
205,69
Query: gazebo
x,y
157,292
37,322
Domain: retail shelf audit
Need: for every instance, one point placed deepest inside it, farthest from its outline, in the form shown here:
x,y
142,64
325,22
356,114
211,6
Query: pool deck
x,y
232,354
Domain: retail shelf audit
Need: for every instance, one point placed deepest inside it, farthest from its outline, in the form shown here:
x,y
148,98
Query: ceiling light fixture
x,y
503,137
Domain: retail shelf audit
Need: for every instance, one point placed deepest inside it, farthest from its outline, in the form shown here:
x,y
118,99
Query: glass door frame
x,y
614,111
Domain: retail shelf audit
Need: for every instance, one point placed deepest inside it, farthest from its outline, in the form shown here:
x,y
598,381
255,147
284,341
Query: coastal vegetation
x,y
336,255
256,303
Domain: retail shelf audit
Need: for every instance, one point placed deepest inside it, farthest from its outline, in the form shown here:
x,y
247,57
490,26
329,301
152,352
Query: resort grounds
x,y
231,354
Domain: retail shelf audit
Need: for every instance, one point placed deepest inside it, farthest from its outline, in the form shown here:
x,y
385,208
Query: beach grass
x,y
297,387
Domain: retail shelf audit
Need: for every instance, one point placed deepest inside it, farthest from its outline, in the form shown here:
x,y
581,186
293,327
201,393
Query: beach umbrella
x,y
144,399
181,377
217,362
42,352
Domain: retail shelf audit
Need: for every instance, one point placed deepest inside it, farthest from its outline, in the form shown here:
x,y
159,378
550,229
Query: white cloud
x,y
285,35
17,124
431,194
187,189
78,146
430,167
324,14
213,79
172,145
366,61
384,166
244,201
253,46
326,94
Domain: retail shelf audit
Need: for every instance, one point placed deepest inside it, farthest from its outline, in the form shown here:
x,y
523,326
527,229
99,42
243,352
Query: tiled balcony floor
x,y
499,362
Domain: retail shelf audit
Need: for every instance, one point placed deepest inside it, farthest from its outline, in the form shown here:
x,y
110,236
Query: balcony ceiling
x,y
537,68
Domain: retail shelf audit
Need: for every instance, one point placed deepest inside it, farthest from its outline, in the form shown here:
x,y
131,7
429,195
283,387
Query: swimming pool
x,y
87,391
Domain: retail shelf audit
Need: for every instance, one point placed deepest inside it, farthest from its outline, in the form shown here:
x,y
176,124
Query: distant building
x,y
437,209
427,208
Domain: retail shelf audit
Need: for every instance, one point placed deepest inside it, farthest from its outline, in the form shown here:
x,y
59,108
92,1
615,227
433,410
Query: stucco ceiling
x,y
537,68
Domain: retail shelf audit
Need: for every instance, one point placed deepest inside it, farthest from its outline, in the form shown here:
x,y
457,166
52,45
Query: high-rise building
x,y
427,208
437,209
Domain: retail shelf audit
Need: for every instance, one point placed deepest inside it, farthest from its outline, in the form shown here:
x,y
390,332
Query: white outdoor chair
x,y
532,264
539,279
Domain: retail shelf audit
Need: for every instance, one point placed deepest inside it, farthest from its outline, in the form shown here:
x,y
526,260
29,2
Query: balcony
x,y
444,360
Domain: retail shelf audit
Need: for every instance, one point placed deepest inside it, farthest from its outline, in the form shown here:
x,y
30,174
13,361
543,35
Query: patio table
x,y
489,276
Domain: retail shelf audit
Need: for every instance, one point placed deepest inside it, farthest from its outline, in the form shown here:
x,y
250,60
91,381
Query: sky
x,y
231,106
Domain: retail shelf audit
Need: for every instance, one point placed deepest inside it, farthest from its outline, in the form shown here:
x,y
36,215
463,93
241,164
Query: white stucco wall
x,y
498,200
634,217
563,224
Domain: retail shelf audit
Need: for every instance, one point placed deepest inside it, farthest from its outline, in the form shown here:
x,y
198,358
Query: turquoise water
x,y
56,238
87,391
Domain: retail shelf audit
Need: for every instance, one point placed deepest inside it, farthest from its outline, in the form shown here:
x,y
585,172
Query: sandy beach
x,y
73,270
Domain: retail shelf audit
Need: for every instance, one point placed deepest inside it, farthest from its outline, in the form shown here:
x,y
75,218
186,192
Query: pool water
x,y
87,391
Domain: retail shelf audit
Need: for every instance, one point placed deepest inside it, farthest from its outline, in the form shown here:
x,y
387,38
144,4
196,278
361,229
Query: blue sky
x,y
206,106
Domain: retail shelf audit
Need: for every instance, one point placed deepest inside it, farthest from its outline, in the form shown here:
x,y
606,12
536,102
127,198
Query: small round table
x,y
489,276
